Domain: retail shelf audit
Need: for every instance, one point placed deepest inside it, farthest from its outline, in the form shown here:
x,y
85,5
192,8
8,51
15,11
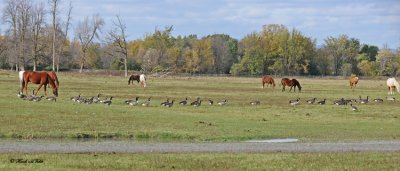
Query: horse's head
x,y
55,91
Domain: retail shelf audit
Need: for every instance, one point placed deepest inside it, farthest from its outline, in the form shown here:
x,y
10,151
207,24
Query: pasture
x,y
235,121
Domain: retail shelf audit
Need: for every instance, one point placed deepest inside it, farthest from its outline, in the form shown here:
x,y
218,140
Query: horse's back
x,y
391,82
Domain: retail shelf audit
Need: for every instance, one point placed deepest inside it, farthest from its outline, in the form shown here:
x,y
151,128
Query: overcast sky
x,y
372,22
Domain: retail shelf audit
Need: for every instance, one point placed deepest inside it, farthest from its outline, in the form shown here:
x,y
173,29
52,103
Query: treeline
x,y
31,42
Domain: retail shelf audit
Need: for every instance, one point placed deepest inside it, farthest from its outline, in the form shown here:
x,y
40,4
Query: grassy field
x,y
236,121
203,161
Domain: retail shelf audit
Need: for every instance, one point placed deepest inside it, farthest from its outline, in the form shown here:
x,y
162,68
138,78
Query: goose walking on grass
x,y
169,104
52,98
135,102
108,102
322,102
183,102
210,102
311,101
146,102
353,108
76,98
392,99
221,103
196,101
364,101
255,103
294,102
165,103
96,99
378,100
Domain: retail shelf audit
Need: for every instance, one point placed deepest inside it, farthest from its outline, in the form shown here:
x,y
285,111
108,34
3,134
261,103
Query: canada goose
x,y
294,102
210,102
379,100
52,98
291,101
322,102
130,100
169,104
37,98
364,101
391,99
108,102
146,102
96,99
195,102
184,102
353,108
20,95
165,103
89,101
221,103
341,102
75,99
134,103
254,103
311,101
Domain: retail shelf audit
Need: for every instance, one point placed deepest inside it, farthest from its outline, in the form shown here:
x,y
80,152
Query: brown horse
x,y
268,80
41,78
291,83
353,82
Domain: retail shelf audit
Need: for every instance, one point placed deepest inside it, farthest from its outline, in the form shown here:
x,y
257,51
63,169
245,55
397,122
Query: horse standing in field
x,y
139,78
268,80
291,83
353,82
41,78
392,84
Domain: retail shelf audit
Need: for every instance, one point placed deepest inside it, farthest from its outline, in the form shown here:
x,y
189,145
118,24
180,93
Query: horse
x,y
291,83
41,78
392,84
139,78
268,80
353,82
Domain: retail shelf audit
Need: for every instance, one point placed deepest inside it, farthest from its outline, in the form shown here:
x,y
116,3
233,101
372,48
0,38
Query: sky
x,y
375,22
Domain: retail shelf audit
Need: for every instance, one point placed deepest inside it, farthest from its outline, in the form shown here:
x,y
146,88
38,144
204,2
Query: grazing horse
x,y
139,78
392,84
291,83
268,80
353,82
41,78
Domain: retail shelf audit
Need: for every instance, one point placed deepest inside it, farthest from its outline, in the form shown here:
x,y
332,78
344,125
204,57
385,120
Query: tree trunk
x,y
34,65
126,66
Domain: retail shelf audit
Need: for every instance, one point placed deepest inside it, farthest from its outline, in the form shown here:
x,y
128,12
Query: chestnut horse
x,y
139,78
291,83
353,82
268,80
41,78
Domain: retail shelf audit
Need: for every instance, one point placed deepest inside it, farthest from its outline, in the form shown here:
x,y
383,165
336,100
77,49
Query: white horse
x,y
139,78
392,84
142,80
21,79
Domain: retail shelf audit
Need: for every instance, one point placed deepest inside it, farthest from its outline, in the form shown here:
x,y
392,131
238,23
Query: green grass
x,y
205,161
237,121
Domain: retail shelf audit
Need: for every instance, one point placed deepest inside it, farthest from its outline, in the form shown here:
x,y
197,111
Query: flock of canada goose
x,y
198,101
342,101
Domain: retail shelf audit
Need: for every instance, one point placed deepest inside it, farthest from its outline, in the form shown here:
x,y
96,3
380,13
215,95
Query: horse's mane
x,y
297,83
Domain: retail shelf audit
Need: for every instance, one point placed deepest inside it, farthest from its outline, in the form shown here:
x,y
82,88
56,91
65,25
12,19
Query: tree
x,y
117,38
54,4
85,32
37,18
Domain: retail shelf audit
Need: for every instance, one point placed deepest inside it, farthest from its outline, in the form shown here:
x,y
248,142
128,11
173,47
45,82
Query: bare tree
x,y
117,38
37,20
54,4
85,32
10,15
65,32
24,8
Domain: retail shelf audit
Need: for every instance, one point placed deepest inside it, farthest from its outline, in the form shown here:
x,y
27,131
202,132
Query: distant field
x,y
236,121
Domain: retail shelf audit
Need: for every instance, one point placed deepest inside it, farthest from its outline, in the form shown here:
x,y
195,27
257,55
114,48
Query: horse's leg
x,y
37,90
45,87
26,87
263,84
283,87
290,88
